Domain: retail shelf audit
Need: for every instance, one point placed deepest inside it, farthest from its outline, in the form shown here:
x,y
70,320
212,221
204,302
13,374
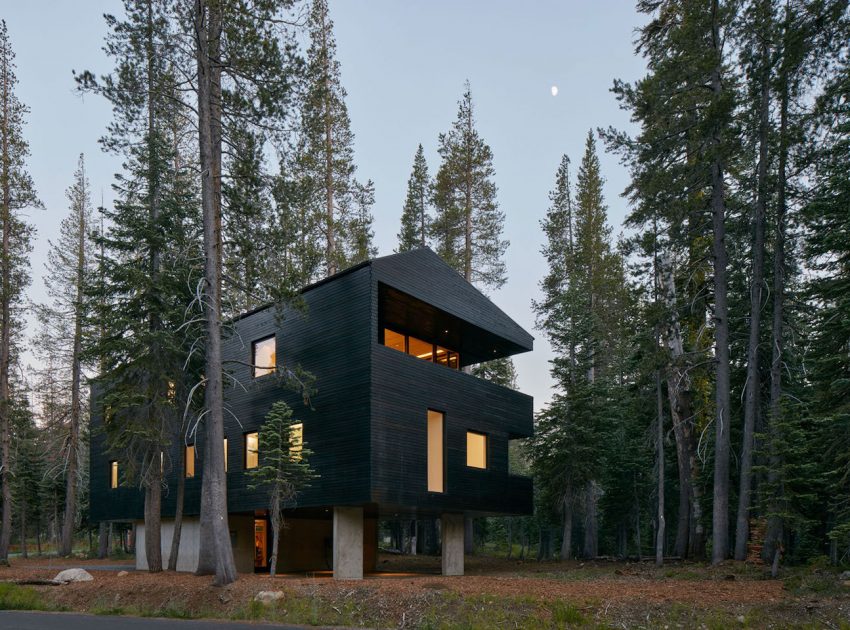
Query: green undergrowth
x,y
14,597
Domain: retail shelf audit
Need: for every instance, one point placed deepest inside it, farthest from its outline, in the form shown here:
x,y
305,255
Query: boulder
x,y
268,597
122,573
73,575
844,576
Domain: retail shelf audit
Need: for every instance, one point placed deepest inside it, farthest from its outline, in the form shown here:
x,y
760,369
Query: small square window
x,y
113,474
190,461
252,450
264,356
476,450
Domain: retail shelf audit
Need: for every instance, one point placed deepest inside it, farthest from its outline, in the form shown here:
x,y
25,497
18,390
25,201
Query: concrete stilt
x,y
452,532
348,543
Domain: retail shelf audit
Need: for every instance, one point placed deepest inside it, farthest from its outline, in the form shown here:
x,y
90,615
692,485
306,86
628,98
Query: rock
x,y
846,583
73,575
122,573
844,576
268,597
741,619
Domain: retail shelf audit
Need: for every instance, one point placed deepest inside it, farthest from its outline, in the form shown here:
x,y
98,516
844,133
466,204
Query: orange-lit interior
x,y
435,451
421,349
113,474
265,357
260,543
225,454
252,450
476,450
296,441
190,461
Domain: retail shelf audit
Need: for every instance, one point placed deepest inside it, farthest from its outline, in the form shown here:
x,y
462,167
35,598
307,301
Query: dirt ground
x,y
409,592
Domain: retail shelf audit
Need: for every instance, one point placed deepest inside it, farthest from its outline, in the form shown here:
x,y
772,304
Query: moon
x,y
554,90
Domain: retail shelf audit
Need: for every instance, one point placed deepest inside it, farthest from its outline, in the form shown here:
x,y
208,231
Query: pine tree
x,y
583,314
325,152
415,219
150,255
284,470
467,225
17,193
66,327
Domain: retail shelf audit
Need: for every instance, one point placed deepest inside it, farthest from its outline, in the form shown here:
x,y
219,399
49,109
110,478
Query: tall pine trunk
x,y
76,405
215,554
153,522
751,403
174,554
567,535
659,458
775,523
681,413
5,332
720,514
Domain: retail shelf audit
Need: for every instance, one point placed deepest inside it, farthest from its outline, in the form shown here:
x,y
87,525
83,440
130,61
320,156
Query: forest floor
x,y
495,592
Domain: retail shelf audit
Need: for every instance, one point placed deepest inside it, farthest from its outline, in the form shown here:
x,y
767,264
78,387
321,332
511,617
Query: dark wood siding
x,y
331,340
403,389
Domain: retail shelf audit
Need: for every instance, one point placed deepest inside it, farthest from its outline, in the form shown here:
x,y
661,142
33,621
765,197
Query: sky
x,y
404,63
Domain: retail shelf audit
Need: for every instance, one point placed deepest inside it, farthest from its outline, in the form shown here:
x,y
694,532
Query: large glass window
x,y
476,450
252,450
113,474
265,356
394,340
436,442
190,461
421,349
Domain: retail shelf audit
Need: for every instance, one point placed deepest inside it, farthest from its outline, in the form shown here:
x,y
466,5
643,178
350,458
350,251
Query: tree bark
x,y
567,535
215,554
775,522
591,521
153,522
5,328
174,555
70,516
659,446
751,403
720,514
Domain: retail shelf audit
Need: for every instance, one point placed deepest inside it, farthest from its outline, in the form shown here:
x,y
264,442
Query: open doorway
x,y
261,546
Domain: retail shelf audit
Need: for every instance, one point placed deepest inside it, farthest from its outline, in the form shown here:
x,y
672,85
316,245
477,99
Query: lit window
x,y
190,461
252,450
296,441
435,451
225,454
394,340
476,450
447,357
420,349
113,474
265,357
172,390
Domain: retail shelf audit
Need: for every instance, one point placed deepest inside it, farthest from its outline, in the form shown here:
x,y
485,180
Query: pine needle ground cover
x,y
496,593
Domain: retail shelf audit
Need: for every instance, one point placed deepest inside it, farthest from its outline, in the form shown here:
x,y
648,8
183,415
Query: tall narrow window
x,y
225,454
190,461
252,450
476,450
265,356
296,441
436,421
113,474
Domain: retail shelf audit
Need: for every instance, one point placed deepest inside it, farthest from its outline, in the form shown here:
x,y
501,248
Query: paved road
x,y
16,620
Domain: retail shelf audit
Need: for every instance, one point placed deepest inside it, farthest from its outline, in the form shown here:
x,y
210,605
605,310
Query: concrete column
x,y
348,543
452,532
